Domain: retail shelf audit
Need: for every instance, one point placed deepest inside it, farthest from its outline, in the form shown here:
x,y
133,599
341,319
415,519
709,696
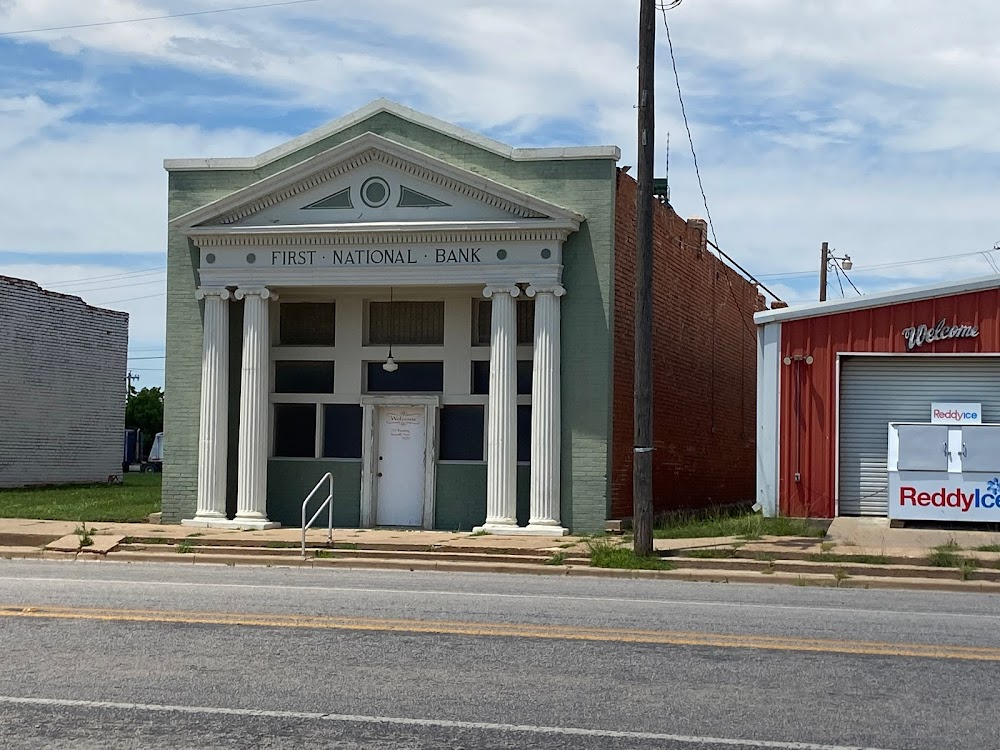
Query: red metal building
x,y
833,375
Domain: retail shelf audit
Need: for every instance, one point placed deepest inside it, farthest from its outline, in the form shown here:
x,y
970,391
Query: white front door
x,y
402,432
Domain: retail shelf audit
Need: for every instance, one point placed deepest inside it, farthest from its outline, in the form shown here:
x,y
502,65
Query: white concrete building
x,y
62,387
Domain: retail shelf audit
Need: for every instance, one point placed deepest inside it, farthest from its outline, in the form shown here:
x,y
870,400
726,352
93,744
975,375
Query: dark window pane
x,y
307,324
295,430
523,433
303,377
481,377
411,377
342,431
406,323
462,433
526,323
481,323
525,311
524,370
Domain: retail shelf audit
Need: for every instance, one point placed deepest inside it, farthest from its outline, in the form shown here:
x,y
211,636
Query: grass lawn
x,y
745,525
132,501
610,554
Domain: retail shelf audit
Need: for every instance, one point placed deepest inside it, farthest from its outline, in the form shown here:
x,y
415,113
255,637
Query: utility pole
x,y
642,456
824,262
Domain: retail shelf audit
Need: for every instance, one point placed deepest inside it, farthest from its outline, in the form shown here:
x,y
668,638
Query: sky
x,y
871,126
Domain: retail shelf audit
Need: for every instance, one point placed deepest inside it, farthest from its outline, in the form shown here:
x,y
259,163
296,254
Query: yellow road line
x,y
511,630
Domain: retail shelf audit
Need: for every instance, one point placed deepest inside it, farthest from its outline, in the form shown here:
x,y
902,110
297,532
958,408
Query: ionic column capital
x,y
509,289
213,291
556,289
263,292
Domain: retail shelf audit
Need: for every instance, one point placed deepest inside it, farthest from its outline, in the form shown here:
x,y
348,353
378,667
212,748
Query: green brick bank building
x,y
421,312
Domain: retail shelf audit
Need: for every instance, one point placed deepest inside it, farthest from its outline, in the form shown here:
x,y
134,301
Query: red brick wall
x,y
704,366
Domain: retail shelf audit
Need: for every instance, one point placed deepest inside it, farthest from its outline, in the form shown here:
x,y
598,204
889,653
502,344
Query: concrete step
x,y
341,552
855,569
492,547
779,552
21,539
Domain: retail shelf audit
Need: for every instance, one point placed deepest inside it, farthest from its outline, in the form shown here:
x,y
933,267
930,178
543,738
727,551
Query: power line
x,y
87,281
101,288
878,267
107,277
680,97
741,269
133,359
129,299
155,18
840,282
664,7
851,283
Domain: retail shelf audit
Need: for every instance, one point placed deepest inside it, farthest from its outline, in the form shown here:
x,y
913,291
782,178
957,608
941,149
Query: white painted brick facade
x,y
62,387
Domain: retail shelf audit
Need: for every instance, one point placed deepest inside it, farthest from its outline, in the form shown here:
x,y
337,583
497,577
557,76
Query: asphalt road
x,y
114,655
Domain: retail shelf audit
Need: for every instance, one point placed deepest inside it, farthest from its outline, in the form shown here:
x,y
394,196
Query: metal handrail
x,y
328,503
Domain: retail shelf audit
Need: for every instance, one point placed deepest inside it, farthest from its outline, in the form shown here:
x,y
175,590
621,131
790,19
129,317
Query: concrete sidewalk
x,y
16,532
856,552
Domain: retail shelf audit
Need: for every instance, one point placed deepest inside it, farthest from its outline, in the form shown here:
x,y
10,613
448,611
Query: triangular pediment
x,y
371,180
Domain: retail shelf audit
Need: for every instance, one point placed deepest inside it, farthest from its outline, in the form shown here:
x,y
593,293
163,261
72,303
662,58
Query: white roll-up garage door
x,y
875,391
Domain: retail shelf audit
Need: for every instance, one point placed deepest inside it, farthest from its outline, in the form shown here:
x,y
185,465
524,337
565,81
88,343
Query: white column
x,y
213,429
545,413
251,494
501,435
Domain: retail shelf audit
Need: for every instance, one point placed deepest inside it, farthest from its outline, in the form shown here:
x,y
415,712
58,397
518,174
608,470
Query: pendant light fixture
x,y
390,364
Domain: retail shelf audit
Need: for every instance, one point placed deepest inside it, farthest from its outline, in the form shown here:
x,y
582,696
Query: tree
x,y
144,411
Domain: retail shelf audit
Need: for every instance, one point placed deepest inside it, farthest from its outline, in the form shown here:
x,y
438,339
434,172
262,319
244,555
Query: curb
x,y
22,553
821,574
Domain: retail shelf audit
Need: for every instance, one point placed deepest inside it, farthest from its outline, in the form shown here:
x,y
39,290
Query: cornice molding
x,y
368,276
394,162
328,237
404,113
359,151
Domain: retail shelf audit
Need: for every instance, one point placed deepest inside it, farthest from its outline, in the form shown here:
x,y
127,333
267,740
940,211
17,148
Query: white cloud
x,y
872,128
93,188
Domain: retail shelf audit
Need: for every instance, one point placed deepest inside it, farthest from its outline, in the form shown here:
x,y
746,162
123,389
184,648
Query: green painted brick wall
x,y
586,186
461,496
187,191
290,480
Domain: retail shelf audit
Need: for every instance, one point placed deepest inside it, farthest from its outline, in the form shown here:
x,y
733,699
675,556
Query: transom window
x,y
307,324
481,377
406,323
303,377
408,377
